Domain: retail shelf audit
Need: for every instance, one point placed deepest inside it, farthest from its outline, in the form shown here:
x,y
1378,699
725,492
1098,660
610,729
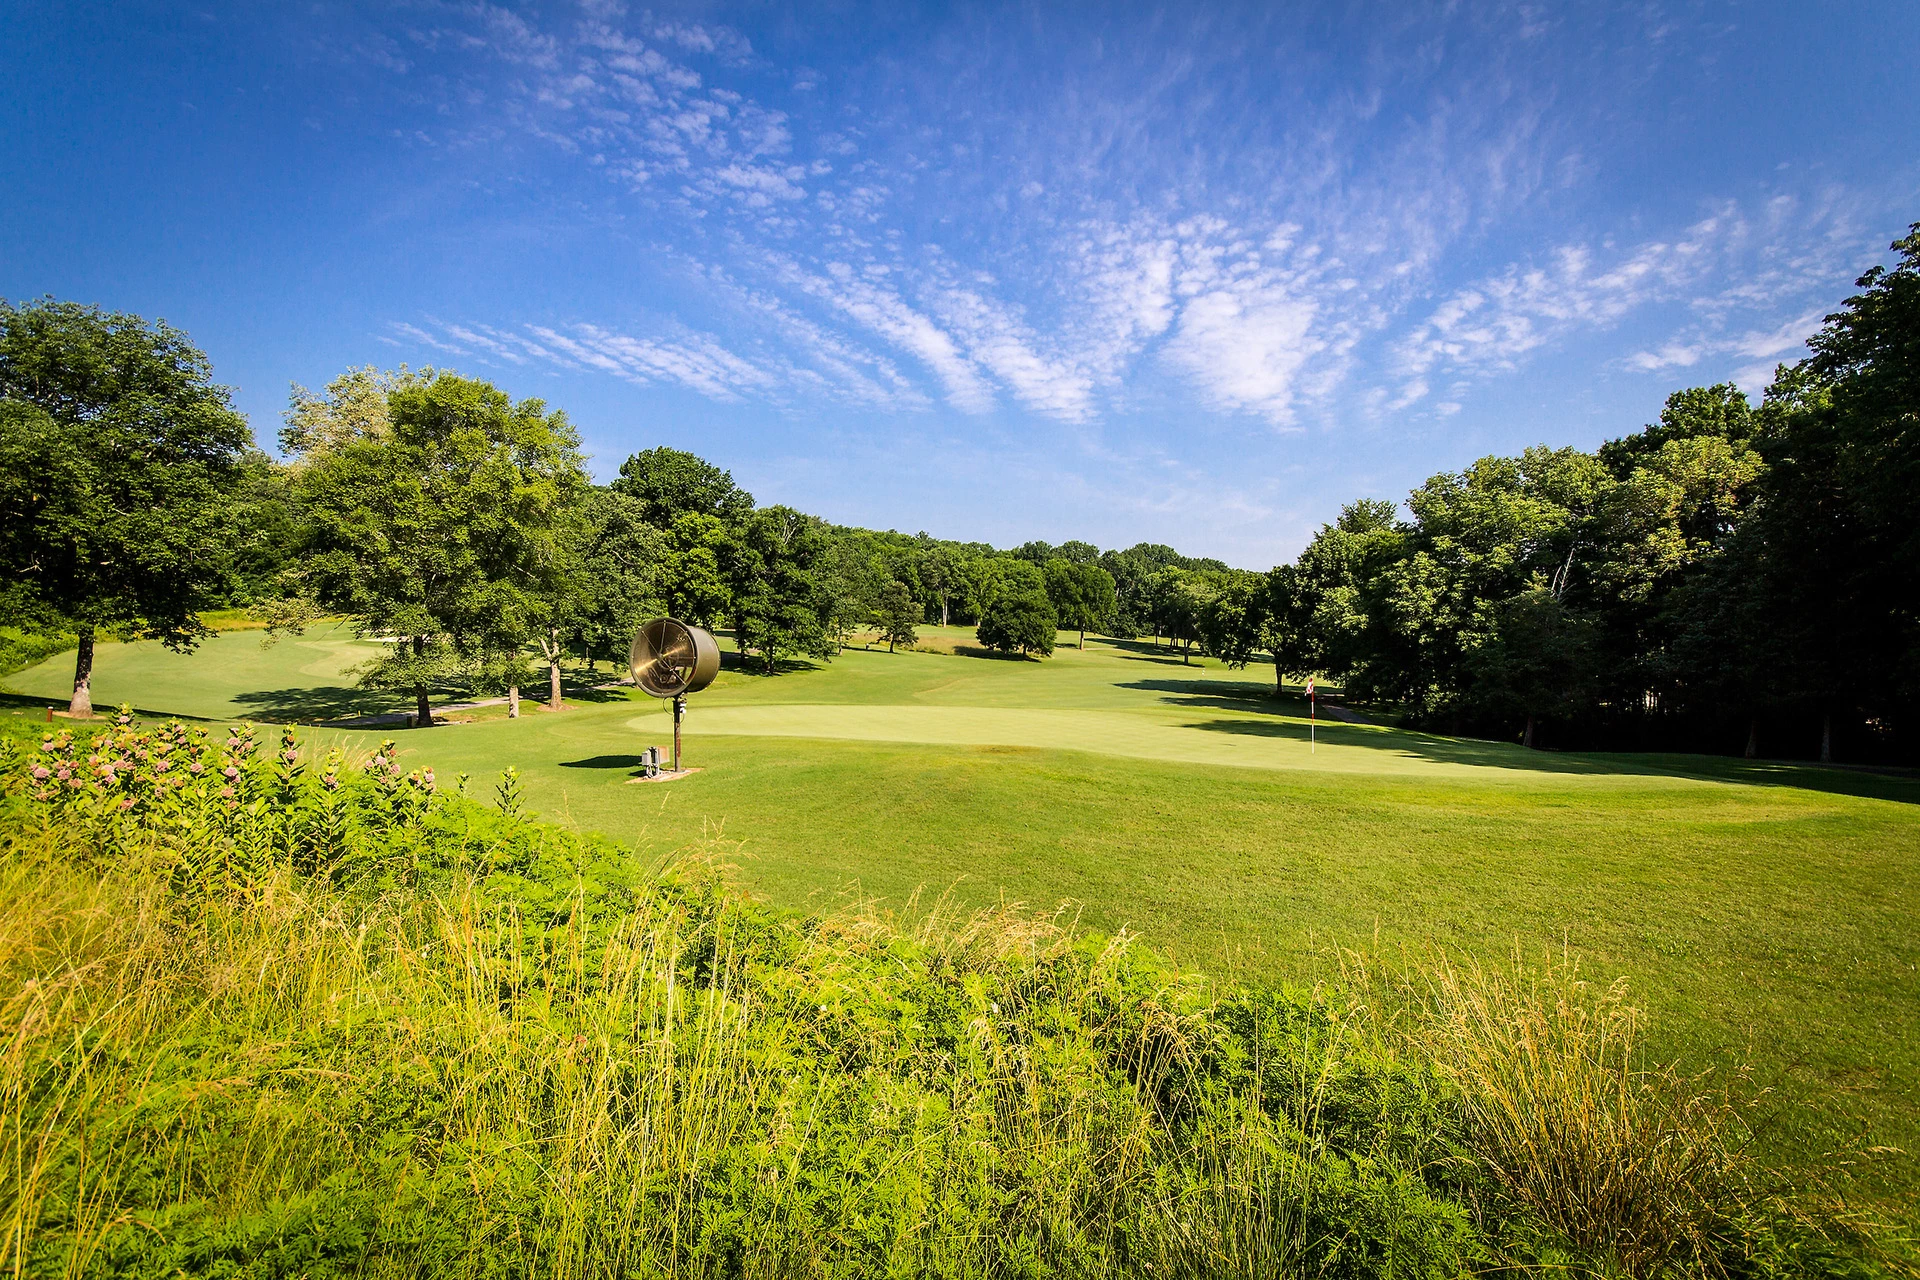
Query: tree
x,y
1081,593
1538,661
778,600
1247,614
670,483
353,407
607,582
1035,553
897,613
444,535
1132,572
939,571
1719,412
118,461
1020,622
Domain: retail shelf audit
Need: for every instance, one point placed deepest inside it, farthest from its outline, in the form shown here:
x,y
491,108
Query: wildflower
x,y
226,793
290,756
229,773
65,774
47,744
197,767
127,803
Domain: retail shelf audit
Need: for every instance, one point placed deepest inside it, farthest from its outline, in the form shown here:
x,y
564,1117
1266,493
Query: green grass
x,y
1762,912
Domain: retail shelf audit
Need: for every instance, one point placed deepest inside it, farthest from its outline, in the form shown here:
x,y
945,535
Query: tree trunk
x,y
1526,739
82,704
1083,637
513,702
1753,737
423,716
943,611
889,644
553,674
1826,737
1279,678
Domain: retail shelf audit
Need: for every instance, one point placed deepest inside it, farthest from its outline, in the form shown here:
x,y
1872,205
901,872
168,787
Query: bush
x,y
20,649
267,1014
1019,624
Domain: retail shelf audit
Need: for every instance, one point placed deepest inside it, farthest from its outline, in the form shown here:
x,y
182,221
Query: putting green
x,y
1240,741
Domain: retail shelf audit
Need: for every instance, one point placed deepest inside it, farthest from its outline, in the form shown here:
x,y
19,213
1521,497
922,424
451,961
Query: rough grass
x,y
276,1016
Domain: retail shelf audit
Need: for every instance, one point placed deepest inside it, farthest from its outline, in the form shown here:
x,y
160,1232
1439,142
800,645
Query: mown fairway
x,y
1761,913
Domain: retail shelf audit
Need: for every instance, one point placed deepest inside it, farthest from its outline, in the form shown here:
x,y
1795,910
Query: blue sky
x,y
1196,274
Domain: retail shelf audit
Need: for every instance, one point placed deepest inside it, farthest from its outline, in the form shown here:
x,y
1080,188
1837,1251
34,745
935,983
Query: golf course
x,y
1761,914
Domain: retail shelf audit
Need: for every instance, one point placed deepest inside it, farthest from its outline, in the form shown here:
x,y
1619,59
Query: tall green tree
x,y
120,461
1019,622
443,536
670,483
780,604
607,582
1081,592
897,614
1538,661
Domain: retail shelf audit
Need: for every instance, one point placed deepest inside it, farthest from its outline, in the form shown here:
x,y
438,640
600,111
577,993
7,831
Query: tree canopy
x,y
443,535
120,476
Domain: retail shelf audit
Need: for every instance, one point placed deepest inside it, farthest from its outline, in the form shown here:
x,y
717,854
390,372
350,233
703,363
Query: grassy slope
x,y
1761,911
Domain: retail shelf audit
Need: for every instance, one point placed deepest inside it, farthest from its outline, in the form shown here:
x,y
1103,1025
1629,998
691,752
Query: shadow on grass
x,y
603,762
1899,786
328,702
981,651
1146,651
33,708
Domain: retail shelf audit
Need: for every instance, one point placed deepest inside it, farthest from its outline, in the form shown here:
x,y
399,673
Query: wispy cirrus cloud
x,y
1272,274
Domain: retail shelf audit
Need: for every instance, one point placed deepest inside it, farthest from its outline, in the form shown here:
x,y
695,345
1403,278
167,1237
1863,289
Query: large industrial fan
x,y
671,659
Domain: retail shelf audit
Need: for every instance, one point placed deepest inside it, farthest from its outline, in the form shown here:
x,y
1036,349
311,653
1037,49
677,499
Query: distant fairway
x,y
1761,912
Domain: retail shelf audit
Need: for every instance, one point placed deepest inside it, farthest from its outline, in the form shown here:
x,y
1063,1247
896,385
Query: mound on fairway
x,y
1763,913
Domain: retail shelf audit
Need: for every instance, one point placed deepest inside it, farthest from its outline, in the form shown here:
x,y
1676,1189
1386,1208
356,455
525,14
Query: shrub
x,y
20,649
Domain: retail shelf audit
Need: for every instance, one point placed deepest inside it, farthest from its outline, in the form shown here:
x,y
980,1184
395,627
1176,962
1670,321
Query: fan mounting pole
x,y
679,706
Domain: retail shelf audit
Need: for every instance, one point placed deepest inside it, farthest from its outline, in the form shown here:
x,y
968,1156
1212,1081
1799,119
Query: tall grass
x,y
304,1019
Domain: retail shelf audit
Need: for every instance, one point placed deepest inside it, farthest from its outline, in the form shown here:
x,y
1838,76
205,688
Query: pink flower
x,y
230,773
41,772
226,793
65,774
127,803
197,767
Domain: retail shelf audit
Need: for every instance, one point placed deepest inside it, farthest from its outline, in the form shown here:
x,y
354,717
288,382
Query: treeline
x,y
1729,577
446,519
